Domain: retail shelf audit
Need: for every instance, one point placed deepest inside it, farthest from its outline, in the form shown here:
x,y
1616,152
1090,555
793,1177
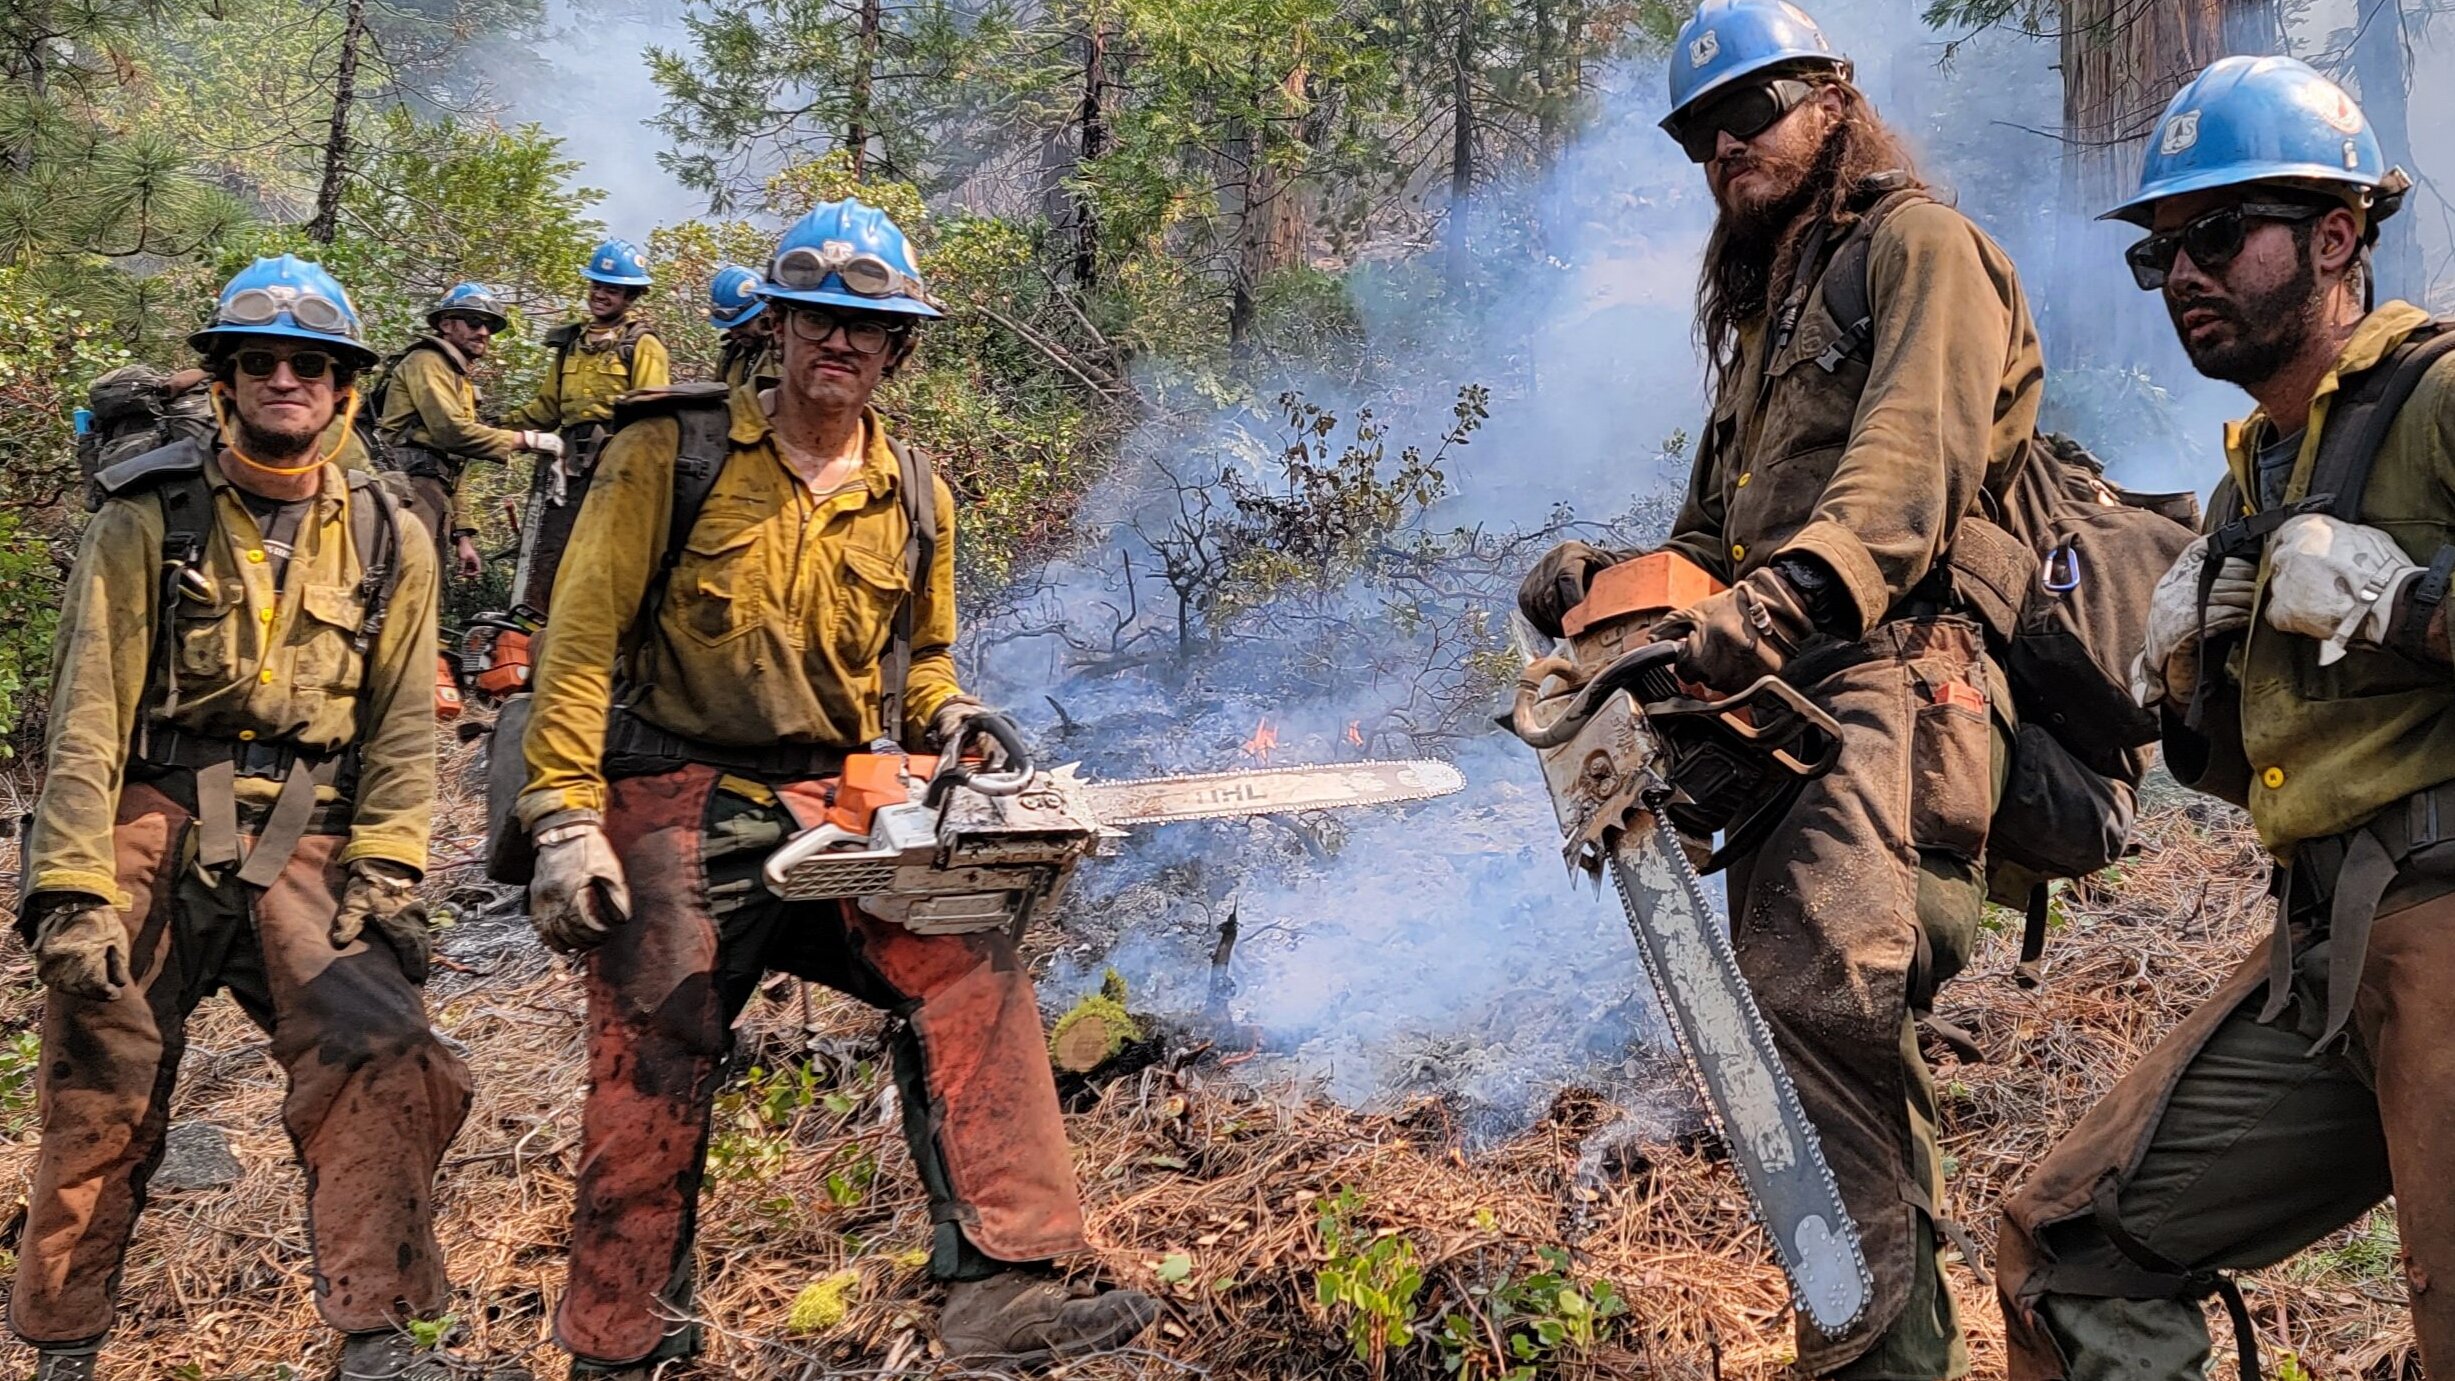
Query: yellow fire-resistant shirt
x,y
431,403
593,376
772,628
253,662
2327,747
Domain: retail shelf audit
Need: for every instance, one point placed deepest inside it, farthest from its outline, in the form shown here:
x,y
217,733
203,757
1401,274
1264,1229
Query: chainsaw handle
x,y
1626,673
953,771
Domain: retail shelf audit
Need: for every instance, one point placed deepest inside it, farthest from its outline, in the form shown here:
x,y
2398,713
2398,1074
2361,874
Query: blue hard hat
x,y
2251,119
618,262
291,299
848,254
733,297
469,299
1729,39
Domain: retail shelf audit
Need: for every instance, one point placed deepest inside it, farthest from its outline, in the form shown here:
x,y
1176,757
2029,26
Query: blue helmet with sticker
x,y
618,262
2271,119
848,254
1729,39
733,297
290,299
469,299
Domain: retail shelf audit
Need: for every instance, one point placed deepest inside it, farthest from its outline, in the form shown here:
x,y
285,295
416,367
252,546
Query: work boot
x,y
1028,1319
389,1356
65,1365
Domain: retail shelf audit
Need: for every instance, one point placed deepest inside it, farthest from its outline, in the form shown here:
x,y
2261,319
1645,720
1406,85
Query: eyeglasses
x,y
865,334
2211,240
264,306
802,268
1742,114
308,365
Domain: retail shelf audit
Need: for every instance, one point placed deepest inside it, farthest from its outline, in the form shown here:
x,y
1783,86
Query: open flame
x,y
1355,732
1263,741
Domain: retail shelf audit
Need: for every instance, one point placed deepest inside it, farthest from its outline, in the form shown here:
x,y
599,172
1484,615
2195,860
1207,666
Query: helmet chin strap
x,y
226,423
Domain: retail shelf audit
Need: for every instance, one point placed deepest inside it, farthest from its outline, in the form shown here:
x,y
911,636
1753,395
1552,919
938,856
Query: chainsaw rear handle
x,y
1629,672
953,771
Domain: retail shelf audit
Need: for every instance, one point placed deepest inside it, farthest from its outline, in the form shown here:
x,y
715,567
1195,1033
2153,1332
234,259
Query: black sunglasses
x,y
1742,114
2211,240
865,334
306,364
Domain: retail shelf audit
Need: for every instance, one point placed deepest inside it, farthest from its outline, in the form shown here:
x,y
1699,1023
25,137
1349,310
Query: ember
x,y
1259,747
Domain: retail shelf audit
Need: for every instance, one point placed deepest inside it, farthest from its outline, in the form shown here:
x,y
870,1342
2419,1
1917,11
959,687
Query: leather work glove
x,y
81,949
2335,581
1729,641
543,443
577,893
383,894
949,721
2168,669
1558,583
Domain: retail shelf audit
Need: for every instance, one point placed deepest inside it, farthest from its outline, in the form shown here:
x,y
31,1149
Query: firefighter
x,y
1836,474
735,308
2305,679
594,361
237,782
426,415
706,677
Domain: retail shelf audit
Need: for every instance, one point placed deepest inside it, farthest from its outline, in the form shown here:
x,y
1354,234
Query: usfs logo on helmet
x,y
469,299
1726,40
287,298
2265,120
733,297
618,263
848,254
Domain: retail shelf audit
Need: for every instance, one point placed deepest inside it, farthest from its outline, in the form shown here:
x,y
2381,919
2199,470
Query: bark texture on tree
x,y
327,218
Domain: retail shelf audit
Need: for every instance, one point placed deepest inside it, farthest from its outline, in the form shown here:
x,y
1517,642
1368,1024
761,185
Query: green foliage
x,y
1368,1280
1535,1318
21,1065
430,1333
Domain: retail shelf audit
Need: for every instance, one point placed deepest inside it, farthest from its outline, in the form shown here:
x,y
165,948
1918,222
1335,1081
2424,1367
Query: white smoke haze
x,y
1442,948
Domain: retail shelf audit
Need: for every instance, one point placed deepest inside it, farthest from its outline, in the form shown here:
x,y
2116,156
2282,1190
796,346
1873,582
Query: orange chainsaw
x,y
950,845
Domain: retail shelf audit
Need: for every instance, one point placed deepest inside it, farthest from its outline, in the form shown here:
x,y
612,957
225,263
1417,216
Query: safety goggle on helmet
x,y
805,268
848,254
289,298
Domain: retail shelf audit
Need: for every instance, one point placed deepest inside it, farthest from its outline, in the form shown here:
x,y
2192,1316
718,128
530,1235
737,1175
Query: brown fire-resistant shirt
x,y
1871,465
772,626
255,661
431,402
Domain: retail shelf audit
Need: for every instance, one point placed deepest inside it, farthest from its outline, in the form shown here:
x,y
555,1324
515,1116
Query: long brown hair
x,y
1746,271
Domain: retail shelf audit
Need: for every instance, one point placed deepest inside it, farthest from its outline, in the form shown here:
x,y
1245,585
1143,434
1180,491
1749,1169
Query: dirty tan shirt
x,y
2329,747
431,402
253,662
592,377
1871,466
773,624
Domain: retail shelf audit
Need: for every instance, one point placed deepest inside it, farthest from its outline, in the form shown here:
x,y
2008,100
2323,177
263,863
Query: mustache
x,y
2222,308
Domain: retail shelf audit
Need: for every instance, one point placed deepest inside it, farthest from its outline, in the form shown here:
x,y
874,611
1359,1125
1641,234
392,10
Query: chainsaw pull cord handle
x,y
1625,673
953,771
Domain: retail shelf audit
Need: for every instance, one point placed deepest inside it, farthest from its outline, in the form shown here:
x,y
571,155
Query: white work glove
x,y
2167,668
2335,581
543,443
577,892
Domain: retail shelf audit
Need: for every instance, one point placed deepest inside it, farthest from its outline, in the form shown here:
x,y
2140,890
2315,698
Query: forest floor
x,y
1243,1208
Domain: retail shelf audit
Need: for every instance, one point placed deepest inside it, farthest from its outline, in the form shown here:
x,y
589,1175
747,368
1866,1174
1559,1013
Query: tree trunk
x,y
2122,60
1092,120
2381,71
1461,148
327,219
864,74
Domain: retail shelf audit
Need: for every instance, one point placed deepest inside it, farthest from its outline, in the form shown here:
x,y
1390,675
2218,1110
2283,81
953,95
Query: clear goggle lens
x,y
803,268
263,306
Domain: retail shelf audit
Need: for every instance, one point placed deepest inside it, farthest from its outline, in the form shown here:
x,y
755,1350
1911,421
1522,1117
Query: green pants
x,y
2232,1147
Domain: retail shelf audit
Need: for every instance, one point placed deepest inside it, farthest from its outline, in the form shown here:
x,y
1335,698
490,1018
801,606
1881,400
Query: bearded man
x,y
1843,461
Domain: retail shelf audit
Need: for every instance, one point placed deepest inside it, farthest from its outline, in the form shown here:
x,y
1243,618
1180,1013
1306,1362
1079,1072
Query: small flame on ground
x,y
1263,741
1355,732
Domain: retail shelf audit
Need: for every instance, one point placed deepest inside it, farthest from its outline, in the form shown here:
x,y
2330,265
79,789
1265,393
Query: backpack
x,y
2059,566
135,409
706,423
371,410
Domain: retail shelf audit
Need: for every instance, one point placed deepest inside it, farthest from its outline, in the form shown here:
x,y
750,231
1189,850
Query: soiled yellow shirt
x,y
592,377
253,661
773,627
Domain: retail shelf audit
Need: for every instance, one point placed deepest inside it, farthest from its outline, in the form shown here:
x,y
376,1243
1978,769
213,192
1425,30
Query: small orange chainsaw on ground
x,y
952,844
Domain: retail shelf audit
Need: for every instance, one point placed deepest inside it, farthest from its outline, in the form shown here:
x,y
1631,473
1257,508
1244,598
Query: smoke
x,y
585,80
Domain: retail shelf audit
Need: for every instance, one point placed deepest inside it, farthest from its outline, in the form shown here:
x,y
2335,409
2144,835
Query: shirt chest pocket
x,y
323,644
874,587
716,592
1812,394
206,631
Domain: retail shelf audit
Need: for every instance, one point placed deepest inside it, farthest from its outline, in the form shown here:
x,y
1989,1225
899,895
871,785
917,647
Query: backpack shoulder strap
x,y
706,422
916,486
153,469
633,332
175,475
2357,422
1846,296
374,517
